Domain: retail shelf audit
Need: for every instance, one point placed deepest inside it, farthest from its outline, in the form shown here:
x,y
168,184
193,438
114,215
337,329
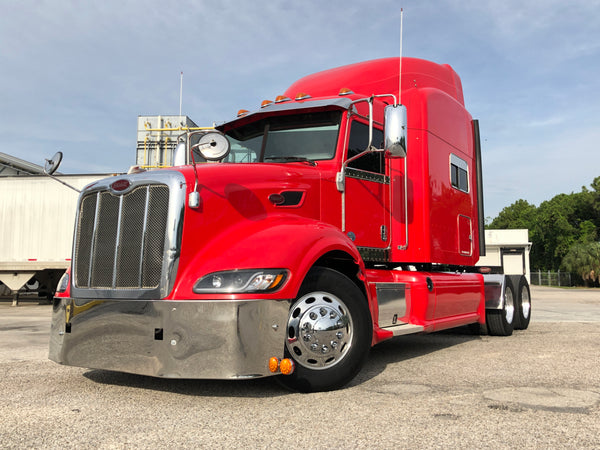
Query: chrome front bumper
x,y
217,339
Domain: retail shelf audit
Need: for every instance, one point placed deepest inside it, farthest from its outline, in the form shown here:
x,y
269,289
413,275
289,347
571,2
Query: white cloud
x,y
546,122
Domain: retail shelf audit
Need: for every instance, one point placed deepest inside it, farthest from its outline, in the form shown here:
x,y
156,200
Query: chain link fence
x,y
548,278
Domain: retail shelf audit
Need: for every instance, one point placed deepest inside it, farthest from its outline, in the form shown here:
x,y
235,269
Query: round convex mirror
x,y
52,164
213,146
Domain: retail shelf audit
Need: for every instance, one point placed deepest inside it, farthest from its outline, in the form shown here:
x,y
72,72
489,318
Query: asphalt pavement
x,y
539,388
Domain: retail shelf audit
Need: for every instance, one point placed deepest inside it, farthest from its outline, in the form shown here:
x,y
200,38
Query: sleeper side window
x,y
459,173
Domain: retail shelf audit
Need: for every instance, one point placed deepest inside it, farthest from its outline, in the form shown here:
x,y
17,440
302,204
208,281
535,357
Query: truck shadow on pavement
x,y
405,348
393,351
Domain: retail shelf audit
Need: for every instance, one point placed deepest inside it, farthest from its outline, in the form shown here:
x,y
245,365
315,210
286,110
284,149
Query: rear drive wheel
x,y
500,322
523,307
329,332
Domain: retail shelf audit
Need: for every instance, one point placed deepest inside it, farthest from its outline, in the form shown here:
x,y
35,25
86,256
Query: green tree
x,y
518,215
584,260
556,225
554,231
595,194
588,232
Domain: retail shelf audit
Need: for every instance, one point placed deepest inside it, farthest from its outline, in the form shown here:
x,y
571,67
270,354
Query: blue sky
x,y
75,75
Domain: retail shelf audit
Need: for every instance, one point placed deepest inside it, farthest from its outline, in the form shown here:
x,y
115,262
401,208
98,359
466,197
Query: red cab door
x,y
367,193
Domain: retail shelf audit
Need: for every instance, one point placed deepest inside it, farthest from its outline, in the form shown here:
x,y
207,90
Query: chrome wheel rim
x,y
509,306
525,303
319,331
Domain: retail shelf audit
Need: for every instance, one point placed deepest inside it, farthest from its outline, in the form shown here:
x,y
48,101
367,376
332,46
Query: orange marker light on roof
x,y
282,98
345,91
266,103
302,96
242,112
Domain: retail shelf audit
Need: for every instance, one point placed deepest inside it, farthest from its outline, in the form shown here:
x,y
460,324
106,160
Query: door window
x,y
359,140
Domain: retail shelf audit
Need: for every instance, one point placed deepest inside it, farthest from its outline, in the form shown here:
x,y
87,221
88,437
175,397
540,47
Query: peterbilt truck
x,y
292,239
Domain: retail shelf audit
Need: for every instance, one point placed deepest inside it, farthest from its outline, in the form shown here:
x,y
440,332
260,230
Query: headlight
x,y
241,281
63,283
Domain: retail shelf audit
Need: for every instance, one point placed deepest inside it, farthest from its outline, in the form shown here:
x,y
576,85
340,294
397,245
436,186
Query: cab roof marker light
x,y
345,91
266,103
282,98
242,112
302,96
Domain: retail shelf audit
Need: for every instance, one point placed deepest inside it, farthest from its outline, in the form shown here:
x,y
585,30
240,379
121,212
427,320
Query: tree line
x,y
564,232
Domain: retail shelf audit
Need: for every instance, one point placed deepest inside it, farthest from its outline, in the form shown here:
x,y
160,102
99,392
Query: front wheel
x,y
329,332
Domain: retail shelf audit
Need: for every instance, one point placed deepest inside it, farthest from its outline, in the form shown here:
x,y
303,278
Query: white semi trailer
x,y
37,216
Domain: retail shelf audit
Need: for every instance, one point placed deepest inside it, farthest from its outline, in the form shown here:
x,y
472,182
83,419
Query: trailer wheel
x,y
329,332
501,322
523,307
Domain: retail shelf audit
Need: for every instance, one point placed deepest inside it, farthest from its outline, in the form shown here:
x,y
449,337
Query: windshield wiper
x,y
291,159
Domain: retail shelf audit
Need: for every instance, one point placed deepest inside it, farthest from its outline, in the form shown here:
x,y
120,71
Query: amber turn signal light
x,y
286,366
273,364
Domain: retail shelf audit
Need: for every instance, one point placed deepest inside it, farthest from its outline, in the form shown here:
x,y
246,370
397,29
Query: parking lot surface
x,y
539,388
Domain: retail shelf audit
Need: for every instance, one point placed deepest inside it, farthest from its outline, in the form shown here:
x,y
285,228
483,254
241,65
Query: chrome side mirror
x,y
395,130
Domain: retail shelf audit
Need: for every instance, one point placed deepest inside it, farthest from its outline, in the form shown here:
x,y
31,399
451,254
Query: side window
x,y
359,139
459,173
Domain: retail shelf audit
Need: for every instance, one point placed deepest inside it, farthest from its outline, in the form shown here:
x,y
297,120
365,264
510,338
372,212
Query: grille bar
x,y
144,233
117,246
90,256
120,239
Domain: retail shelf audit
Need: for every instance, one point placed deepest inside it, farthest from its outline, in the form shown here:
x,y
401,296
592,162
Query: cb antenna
x,y
400,65
180,91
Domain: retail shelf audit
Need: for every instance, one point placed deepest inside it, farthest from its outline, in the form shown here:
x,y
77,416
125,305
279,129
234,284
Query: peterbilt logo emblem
x,y
120,185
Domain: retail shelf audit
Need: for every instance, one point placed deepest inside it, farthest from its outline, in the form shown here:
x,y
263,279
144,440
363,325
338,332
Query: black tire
x,y
501,322
523,306
329,332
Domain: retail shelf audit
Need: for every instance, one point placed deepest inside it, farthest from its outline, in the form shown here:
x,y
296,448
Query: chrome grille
x,y
120,239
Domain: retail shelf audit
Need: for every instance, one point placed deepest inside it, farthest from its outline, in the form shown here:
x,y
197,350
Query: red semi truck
x,y
292,239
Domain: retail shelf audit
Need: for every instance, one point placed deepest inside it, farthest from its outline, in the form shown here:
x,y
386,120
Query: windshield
x,y
305,137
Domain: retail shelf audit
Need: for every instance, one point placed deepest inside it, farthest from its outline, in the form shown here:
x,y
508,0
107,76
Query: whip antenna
x,y
180,91
400,65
